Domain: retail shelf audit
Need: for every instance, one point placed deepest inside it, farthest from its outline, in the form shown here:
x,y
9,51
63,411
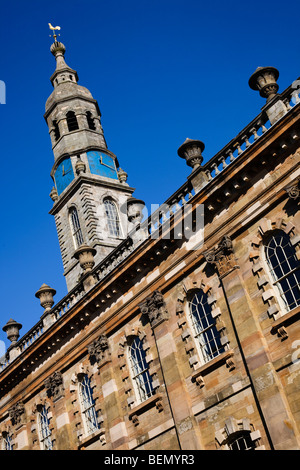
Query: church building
x,y
180,330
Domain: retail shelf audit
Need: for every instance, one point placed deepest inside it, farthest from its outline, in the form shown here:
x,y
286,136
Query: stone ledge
x,y
213,364
285,320
87,440
145,405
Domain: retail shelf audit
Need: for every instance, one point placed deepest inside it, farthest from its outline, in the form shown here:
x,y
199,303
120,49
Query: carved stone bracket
x,y
279,327
156,400
222,257
155,308
227,357
99,350
54,385
293,190
17,413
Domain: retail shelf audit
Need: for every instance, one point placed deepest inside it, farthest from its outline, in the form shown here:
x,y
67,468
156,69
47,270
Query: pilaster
x,y
266,386
186,427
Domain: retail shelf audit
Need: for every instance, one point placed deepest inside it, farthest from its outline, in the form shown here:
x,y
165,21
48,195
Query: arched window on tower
x,y
75,228
206,334
284,268
44,431
56,130
87,404
112,217
72,121
141,378
90,121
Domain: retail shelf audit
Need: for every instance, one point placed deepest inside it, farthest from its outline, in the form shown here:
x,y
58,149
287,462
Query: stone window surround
x,y
5,430
83,438
184,323
71,207
235,427
261,269
40,403
109,195
134,405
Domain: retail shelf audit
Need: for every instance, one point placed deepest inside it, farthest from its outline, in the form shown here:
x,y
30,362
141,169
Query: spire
x,y
72,114
63,73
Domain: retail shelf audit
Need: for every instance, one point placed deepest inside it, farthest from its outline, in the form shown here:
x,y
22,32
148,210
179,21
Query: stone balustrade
x,y
248,136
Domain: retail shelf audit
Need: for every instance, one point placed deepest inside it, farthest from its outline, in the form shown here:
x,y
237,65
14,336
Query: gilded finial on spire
x,y
54,29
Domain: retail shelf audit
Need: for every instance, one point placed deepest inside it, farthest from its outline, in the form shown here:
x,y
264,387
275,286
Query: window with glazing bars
x,y
6,441
87,404
242,441
284,268
139,370
112,217
76,229
44,429
206,333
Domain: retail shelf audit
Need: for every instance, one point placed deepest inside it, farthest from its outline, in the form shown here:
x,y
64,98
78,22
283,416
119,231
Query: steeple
x,y
89,187
70,108
63,72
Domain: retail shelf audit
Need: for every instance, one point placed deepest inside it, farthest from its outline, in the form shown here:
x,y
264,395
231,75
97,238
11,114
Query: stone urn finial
x,y
133,208
54,194
192,150
264,79
122,175
45,294
85,255
12,329
80,166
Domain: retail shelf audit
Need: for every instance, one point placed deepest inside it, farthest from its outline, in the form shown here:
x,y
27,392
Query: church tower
x,y
89,187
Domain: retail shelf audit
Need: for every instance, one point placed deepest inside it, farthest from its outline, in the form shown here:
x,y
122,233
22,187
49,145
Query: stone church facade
x,y
166,340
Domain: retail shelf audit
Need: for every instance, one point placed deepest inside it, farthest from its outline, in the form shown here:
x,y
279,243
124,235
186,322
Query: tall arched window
x,y
87,404
240,440
7,443
72,121
205,331
75,227
141,378
44,431
90,121
112,217
284,268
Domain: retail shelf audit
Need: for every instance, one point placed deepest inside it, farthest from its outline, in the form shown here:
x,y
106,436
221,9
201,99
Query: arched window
x,y
141,378
75,227
240,441
72,121
205,331
90,121
87,405
284,268
44,431
56,130
6,441
113,221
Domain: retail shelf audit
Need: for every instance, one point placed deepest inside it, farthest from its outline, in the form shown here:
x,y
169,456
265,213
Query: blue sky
x,y
161,71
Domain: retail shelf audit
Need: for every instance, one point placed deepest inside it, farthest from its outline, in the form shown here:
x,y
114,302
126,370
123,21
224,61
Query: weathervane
x,y
54,28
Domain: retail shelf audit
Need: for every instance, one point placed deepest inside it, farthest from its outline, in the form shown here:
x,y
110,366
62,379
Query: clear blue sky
x,y
161,70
